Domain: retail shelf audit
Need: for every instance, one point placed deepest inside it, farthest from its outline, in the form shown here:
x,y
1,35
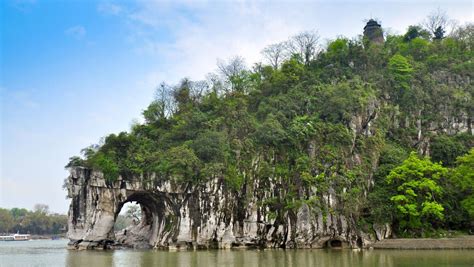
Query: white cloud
x,y
78,32
198,34
108,8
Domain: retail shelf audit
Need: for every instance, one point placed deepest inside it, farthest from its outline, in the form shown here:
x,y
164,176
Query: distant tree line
x,y
39,221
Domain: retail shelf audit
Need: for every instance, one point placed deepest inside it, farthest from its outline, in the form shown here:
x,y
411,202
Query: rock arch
x,y
207,215
96,204
139,236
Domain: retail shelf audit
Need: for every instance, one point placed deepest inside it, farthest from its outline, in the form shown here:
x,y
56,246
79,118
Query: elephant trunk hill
x,y
367,139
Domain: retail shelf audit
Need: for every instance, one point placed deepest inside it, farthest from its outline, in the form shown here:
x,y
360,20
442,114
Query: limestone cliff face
x,y
204,216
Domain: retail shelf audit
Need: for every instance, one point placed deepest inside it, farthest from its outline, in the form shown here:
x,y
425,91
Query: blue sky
x,y
73,71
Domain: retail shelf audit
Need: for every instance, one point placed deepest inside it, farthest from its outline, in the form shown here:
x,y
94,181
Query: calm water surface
x,y
54,253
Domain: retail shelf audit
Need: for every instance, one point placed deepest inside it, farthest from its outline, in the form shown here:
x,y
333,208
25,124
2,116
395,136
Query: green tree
x,y
182,164
18,213
446,149
292,71
6,221
416,183
155,112
107,165
209,146
380,206
75,161
338,49
58,223
38,221
339,101
439,33
271,132
463,177
401,72
415,31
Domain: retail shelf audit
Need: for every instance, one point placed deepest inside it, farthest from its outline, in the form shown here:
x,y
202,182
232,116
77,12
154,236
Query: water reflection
x,y
268,258
54,253
87,258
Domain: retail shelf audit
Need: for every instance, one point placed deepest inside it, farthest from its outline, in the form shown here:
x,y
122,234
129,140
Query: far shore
x,y
45,237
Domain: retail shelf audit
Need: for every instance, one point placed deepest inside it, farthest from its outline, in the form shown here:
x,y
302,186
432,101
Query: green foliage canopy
x,y
416,182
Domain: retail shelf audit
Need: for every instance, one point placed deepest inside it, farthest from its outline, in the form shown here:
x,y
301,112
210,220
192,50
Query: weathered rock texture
x,y
204,216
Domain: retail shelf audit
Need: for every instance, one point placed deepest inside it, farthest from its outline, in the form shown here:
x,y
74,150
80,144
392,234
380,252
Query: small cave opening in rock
x,y
134,221
334,244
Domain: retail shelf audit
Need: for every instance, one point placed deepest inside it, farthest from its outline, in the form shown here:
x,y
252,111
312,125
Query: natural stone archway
x,y
138,236
96,204
196,216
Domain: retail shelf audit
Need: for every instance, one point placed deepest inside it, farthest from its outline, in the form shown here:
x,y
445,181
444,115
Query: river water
x,y
54,253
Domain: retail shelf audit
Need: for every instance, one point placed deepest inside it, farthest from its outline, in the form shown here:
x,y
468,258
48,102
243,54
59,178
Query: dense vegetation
x,y
396,114
39,221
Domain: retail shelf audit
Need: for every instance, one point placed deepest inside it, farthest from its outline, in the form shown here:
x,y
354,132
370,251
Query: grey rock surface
x,y
204,216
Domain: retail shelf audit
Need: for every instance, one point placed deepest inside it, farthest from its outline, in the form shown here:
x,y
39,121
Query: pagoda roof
x,y
372,23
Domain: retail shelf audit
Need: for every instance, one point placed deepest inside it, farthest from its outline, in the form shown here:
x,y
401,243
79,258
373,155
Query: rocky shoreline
x,y
462,242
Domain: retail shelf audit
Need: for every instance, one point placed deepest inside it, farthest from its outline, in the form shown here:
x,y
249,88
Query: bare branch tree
x,y
164,99
304,45
435,19
453,27
232,67
275,54
438,22
465,34
134,212
233,71
197,89
215,83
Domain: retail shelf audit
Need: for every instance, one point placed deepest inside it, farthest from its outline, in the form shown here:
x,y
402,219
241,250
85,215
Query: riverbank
x,y
462,242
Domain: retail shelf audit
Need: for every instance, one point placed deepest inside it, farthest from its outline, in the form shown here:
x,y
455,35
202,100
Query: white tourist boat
x,y
15,237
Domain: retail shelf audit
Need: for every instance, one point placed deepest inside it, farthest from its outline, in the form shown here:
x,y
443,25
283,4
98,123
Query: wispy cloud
x,y
188,37
23,5
78,32
108,8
